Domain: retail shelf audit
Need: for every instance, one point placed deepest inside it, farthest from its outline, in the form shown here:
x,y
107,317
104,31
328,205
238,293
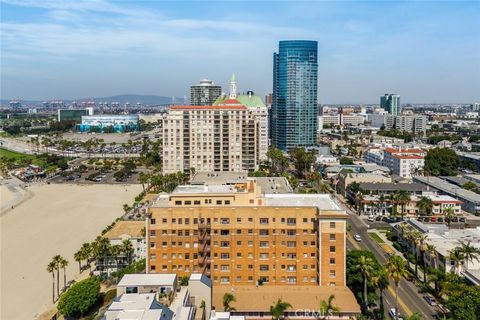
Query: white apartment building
x,y
402,162
416,124
406,165
340,120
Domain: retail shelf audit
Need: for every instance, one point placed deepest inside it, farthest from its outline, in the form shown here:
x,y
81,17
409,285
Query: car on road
x,y
393,314
357,237
431,300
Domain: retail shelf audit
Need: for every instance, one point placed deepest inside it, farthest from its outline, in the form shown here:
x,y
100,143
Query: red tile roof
x,y
399,156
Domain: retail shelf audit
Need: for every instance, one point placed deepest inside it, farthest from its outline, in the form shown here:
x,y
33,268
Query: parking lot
x,y
101,178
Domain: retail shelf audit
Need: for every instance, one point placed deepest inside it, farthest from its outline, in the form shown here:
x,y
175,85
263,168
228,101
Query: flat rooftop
x,y
126,229
260,298
449,188
390,186
268,184
321,201
148,279
134,306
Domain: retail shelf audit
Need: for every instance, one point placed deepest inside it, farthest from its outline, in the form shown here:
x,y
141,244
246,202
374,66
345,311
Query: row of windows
x,y
198,202
226,232
265,279
263,221
226,244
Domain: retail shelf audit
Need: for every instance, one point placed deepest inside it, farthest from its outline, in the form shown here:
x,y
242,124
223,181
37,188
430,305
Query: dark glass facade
x,y
294,106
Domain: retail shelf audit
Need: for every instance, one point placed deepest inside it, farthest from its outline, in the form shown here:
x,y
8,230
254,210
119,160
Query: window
x,y
225,279
152,268
332,225
291,221
225,256
291,244
178,203
188,202
224,220
239,243
164,220
153,256
264,232
152,245
332,236
332,273
264,267
263,244
152,221
250,219
263,255
263,220
239,219
332,249
196,202
305,220
219,201
152,233
227,201
332,260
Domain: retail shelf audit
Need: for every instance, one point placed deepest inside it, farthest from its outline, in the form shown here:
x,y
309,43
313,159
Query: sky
x,y
426,51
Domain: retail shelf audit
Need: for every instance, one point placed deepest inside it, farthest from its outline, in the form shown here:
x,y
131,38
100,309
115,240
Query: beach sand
x,y
57,220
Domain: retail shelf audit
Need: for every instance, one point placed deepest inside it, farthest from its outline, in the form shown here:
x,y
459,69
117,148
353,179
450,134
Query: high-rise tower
x,y
205,93
294,106
390,103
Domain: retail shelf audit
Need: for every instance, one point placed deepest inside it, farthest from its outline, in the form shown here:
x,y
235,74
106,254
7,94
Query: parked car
x,y
357,237
393,314
431,300
440,220
378,218
462,219
371,218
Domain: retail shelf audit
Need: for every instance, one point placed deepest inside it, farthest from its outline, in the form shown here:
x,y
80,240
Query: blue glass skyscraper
x,y
294,105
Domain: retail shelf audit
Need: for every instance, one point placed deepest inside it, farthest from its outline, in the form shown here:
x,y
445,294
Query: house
x,y
158,297
347,177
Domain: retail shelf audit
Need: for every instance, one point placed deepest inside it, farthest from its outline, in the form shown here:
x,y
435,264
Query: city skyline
x,y
69,50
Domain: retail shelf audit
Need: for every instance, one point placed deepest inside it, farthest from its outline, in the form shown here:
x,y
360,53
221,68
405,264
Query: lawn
x,y
26,159
16,155
376,237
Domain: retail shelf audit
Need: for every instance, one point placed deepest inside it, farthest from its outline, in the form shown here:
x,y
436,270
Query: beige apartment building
x,y
231,135
239,235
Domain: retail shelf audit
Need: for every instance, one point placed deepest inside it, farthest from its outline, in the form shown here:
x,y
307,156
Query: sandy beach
x,y
56,220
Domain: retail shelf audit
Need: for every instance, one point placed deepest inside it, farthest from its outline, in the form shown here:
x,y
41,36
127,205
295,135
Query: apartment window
x,y
250,219
264,232
263,244
187,256
178,203
239,243
264,267
305,267
250,255
250,267
224,267
239,278
239,219
332,260
164,244
332,273
263,220
332,225
291,244
164,256
282,220
263,255
164,220
152,233
152,221
225,256
153,256
239,267
291,232
250,279
195,220
312,243
196,202
305,220
291,268
332,249
239,231
208,201
179,220
250,243
250,231
187,220
152,268
188,202
332,236
224,220
291,221
227,201
305,279
152,245
224,244
219,201
239,254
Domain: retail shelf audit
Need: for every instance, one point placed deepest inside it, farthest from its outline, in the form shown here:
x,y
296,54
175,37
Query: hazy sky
x,y
426,51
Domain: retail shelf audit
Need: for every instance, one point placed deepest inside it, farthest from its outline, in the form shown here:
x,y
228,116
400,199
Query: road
x,y
409,300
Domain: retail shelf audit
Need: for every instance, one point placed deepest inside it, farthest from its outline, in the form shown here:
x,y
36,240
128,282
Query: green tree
x,y
127,249
278,160
302,160
79,298
381,282
470,185
279,308
346,161
56,260
441,162
397,269
425,205
355,279
469,252
51,269
327,306
365,265
401,197
464,303
228,298
63,263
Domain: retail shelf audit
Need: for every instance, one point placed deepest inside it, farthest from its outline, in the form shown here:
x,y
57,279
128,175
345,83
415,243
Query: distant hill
x,y
121,98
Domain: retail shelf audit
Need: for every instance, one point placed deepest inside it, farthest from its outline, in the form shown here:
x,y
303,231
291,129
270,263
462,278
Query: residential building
x,y
334,170
205,93
404,162
470,157
347,177
391,103
253,302
117,123
340,120
444,144
294,105
159,297
416,124
470,199
240,235
132,231
231,135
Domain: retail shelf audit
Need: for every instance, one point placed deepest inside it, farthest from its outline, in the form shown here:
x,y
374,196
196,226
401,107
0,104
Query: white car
x,y
371,218
357,237
393,314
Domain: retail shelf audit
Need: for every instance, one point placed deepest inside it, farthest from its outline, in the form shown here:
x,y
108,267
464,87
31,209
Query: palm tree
x,y
56,260
415,316
402,197
127,248
418,240
437,276
380,281
86,250
456,255
279,308
227,299
143,179
365,265
51,269
115,251
381,203
469,252
327,306
431,251
397,269
448,212
425,205
79,256
63,263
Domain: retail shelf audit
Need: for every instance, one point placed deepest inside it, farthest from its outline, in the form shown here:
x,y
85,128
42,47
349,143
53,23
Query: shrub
x,y
397,246
80,297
